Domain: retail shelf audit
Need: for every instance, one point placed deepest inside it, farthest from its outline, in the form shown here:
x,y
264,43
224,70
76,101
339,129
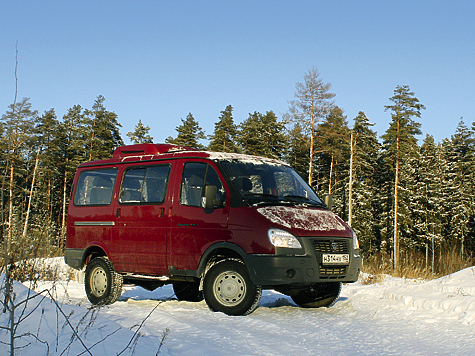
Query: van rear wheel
x,y
318,295
103,285
227,288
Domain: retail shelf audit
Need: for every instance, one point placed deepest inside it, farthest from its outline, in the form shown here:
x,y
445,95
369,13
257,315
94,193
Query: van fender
x,y
223,250
92,250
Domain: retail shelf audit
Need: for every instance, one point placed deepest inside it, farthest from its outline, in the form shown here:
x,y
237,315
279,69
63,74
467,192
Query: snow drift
x,y
394,317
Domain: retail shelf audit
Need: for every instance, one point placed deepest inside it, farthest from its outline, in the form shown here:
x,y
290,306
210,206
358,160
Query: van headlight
x,y
356,244
281,238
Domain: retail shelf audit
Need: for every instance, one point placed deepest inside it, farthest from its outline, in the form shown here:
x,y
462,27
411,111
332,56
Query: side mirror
x,y
209,201
328,200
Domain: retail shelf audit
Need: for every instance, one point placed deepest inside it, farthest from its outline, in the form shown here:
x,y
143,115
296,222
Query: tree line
x,y
399,195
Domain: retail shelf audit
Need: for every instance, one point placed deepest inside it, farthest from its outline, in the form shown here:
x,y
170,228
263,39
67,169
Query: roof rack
x,y
148,149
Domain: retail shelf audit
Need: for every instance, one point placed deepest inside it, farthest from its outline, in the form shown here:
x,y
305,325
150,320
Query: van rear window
x,y
95,187
147,185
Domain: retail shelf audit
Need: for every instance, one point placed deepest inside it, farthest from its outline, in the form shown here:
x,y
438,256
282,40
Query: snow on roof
x,y
225,156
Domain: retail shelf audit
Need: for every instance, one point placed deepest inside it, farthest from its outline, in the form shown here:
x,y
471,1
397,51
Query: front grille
x,y
332,271
332,246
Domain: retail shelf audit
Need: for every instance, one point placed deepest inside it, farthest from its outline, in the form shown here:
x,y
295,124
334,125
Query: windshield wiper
x,y
266,199
261,195
302,199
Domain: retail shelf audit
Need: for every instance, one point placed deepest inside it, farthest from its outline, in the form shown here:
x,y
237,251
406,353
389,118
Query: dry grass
x,y
414,266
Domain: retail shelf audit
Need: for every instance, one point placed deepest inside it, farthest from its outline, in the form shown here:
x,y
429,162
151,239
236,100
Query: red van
x,y
217,226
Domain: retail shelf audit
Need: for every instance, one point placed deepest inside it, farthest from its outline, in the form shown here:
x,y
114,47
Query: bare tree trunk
x,y
27,217
10,206
427,255
350,189
433,255
63,219
312,139
330,178
396,191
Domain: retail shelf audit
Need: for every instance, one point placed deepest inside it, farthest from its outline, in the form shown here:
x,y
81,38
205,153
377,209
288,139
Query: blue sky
x,y
160,60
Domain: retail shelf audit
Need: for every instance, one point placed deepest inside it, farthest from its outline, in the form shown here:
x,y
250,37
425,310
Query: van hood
x,y
307,221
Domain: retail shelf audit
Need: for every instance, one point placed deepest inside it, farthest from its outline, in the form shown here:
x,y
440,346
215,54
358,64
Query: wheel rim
x,y
229,288
98,282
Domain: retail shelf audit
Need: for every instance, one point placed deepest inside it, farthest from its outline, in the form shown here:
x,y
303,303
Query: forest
x,y
409,199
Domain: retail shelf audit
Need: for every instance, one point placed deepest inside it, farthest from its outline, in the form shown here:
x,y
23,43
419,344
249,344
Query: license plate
x,y
336,259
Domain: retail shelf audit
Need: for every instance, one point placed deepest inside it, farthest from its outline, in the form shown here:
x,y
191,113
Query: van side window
x,y
145,185
212,178
192,184
95,187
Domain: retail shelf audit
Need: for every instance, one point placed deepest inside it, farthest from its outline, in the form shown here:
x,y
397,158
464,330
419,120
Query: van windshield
x,y
260,182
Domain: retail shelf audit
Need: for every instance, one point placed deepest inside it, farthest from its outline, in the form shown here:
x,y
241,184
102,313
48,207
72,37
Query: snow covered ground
x,y
394,317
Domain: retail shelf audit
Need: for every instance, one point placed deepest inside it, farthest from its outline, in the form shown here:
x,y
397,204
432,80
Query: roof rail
x,y
148,149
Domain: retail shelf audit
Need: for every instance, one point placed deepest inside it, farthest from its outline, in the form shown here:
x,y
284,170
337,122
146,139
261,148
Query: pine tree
x,y
275,141
189,134
262,135
47,130
461,160
72,150
225,133
250,135
333,145
140,134
428,213
104,136
297,154
18,135
364,186
401,144
312,104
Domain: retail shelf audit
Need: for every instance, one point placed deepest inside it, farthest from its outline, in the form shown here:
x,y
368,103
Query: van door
x,y
90,215
139,239
192,228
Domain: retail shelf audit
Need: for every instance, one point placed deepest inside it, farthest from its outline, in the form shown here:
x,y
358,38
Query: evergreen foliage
x,y
225,133
400,151
297,154
103,136
365,188
140,134
263,135
189,133
400,196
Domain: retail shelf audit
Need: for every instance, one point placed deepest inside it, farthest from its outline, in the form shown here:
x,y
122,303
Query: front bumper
x,y
304,268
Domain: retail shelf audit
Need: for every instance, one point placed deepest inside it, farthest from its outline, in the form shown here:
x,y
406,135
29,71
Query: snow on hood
x,y
302,218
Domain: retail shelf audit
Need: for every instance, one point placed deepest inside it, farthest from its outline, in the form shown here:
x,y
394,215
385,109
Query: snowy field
x,y
394,317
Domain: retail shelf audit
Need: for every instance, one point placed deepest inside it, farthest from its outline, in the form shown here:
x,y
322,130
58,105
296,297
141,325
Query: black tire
x,y
227,288
188,291
318,295
103,285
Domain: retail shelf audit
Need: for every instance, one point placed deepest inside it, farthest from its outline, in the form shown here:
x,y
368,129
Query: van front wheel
x,y
103,285
227,288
